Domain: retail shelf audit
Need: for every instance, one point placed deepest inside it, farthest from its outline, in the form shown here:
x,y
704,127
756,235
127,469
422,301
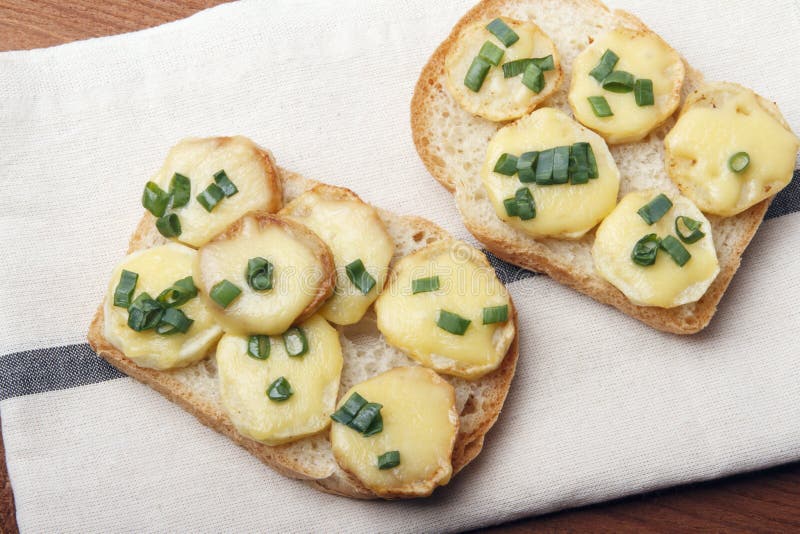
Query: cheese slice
x,y
420,421
313,378
467,285
564,211
718,121
500,98
353,231
643,54
246,165
664,284
158,268
300,272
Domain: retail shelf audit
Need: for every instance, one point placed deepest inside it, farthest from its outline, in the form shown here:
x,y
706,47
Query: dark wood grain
x,y
768,501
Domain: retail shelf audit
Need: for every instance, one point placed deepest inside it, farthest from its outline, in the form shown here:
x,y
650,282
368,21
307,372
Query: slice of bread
x,y
366,354
452,144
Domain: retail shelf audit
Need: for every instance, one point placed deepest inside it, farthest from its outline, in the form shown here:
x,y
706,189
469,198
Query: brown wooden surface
x,y
768,501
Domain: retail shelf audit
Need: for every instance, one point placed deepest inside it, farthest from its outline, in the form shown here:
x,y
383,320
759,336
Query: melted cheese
x,y
246,166
158,268
352,230
642,54
500,98
313,377
297,273
467,285
565,211
664,284
419,421
708,133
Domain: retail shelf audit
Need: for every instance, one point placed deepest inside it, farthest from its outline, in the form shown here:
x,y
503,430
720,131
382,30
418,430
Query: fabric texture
x,y
602,406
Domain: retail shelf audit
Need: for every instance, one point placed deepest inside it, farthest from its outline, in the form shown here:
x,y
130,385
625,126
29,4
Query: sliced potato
x,y
312,378
246,165
564,211
466,285
420,423
303,274
353,231
718,121
500,98
665,283
643,54
158,269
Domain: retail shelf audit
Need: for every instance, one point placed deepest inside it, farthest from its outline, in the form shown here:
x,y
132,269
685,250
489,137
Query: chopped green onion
x,y
155,199
579,163
124,290
518,66
258,347
495,314
424,285
178,293
655,209
224,183
376,427
259,274
180,189
210,197
645,250
506,164
511,206
280,390
619,81
368,420
544,167
561,164
675,249
359,276
144,313
295,341
349,409
521,204
173,321
169,225
692,226
739,162
643,92
504,34
526,208
525,167
545,63
592,163
477,73
225,292
389,459
600,106
452,322
533,78
491,53
605,66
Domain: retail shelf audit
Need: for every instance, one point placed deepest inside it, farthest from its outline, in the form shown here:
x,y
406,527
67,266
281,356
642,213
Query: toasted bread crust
x,y
282,458
524,251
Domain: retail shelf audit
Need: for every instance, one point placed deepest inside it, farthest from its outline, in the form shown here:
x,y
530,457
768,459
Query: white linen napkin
x,y
602,406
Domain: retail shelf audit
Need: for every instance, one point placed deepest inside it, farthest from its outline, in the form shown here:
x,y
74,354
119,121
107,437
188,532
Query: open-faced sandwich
x,y
335,341
596,182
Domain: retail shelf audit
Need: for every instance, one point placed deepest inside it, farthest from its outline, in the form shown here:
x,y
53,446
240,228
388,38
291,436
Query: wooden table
x,y
764,501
